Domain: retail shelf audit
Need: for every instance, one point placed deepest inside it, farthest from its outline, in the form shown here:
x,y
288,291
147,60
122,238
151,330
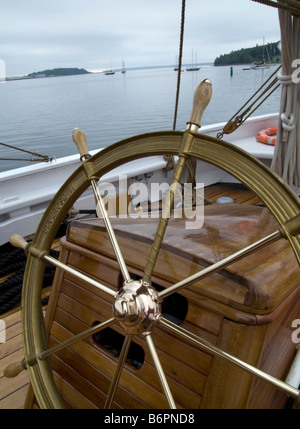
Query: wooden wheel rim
x,y
276,195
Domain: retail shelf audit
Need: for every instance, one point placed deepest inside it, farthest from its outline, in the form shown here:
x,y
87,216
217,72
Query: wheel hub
x,y
137,307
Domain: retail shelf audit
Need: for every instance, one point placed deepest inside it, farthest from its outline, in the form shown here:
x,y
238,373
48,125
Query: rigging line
x,y
288,6
179,62
261,95
238,118
45,157
274,89
294,3
259,89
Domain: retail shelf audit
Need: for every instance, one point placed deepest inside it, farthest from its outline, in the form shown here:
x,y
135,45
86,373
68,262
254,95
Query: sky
x,y
96,34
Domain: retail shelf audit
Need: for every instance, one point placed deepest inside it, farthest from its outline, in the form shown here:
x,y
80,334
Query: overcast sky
x,y
94,34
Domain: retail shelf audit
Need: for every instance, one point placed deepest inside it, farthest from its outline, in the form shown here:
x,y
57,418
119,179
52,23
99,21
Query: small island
x,y
57,72
51,73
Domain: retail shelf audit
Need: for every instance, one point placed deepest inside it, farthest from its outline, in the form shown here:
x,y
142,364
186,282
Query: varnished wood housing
x,y
246,309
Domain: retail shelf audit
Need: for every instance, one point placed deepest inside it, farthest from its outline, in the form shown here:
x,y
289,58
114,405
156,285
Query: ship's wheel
x,y
137,305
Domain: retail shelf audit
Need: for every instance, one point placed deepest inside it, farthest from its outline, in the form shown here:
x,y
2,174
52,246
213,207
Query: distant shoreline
x,y
76,71
42,75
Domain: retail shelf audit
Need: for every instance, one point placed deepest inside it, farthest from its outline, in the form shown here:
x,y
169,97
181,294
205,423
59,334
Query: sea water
x,y
40,114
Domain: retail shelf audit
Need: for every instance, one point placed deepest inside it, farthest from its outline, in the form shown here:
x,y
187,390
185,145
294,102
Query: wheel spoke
x,y
80,141
91,331
18,241
183,333
78,274
201,99
164,220
221,264
121,362
15,368
160,372
113,239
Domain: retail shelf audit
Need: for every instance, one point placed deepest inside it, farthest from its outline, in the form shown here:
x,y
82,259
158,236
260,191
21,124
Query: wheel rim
x,y
277,196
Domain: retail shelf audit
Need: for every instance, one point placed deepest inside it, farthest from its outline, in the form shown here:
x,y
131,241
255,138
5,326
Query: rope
x,y
287,118
179,62
11,259
239,118
43,158
191,163
285,162
11,288
170,158
289,5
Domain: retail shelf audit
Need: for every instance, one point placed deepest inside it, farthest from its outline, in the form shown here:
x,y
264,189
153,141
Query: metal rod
x,y
45,157
27,159
221,264
81,143
290,390
110,230
160,372
99,327
164,220
117,375
202,97
293,377
79,275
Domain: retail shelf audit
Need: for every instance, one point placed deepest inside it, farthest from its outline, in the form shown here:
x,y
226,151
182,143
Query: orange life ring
x,y
266,136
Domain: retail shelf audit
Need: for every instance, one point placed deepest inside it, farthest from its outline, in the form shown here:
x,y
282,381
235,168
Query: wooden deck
x,y
13,391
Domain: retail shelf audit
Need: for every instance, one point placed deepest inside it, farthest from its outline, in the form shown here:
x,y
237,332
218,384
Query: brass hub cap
x,y
137,307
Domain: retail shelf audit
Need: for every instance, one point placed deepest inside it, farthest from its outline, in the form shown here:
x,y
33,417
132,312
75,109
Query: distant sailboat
x,y
259,66
109,71
263,64
123,67
193,68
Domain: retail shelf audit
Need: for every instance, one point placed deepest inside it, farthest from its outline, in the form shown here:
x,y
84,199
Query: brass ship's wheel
x,y
137,305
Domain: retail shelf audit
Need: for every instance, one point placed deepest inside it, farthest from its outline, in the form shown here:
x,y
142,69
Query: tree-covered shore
x,y
57,72
268,53
50,73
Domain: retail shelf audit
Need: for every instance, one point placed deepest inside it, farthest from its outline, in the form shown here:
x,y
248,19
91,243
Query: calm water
x,y
40,114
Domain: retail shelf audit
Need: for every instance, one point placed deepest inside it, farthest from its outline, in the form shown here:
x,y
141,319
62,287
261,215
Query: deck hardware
x,y
137,307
